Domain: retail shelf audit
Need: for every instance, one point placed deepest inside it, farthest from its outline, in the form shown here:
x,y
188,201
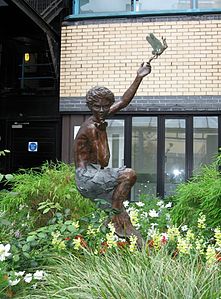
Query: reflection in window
x,y
91,6
121,6
115,133
205,140
144,155
164,5
174,154
211,4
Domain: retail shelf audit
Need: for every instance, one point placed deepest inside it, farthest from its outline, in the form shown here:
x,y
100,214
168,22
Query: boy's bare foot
x,y
125,229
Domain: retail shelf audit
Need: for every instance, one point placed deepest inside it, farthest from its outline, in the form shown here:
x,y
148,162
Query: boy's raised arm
x,y
143,71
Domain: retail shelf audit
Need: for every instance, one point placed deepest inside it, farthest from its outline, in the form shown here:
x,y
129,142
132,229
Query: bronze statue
x,y
91,155
91,151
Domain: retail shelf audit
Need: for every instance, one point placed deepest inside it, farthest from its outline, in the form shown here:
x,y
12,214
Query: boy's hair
x,y
99,92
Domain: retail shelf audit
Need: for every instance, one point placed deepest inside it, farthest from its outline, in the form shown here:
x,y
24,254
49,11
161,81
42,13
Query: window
x,y
164,150
84,8
174,153
115,132
144,158
205,140
100,6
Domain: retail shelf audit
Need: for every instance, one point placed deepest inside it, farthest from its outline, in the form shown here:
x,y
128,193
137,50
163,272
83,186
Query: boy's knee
x,y
130,175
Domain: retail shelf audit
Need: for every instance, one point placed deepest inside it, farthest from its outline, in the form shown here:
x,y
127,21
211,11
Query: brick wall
x,y
109,52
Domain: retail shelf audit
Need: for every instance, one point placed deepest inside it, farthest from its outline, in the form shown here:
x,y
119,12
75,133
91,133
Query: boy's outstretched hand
x,y
144,70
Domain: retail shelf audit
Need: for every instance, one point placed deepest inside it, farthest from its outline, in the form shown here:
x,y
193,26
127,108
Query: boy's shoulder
x,y
86,128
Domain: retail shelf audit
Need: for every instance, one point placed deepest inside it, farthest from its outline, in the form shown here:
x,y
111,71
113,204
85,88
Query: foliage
x,y
128,276
48,231
202,194
50,187
4,152
149,213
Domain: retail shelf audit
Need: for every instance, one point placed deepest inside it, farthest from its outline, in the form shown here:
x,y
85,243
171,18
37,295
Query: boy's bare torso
x,y
91,145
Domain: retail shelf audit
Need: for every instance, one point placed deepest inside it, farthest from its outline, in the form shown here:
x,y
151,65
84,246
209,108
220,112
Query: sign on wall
x,y
32,146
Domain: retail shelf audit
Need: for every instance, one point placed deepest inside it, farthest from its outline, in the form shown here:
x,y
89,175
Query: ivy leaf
x,y
9,177
31,238
16,258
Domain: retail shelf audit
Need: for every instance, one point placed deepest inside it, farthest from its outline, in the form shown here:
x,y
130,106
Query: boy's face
x,y
100,109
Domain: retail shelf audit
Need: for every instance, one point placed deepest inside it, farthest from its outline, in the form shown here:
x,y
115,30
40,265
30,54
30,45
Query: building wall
x,y
108,52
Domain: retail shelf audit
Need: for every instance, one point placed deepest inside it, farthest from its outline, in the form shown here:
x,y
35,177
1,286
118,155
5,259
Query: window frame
x,y
193,10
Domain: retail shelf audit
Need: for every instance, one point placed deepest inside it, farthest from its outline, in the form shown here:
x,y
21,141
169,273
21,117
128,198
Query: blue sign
x,y
33,146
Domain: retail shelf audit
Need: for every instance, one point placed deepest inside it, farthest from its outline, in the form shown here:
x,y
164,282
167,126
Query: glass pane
x,y
163,5
205,140
211,4
174,154
98,6
115,133
144,155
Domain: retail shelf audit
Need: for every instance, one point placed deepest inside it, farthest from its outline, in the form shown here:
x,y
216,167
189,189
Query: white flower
x,y
140,204
13,282
184,228
152,230
28,277
168,205
4,251
153,213
126,203
160,203
39,274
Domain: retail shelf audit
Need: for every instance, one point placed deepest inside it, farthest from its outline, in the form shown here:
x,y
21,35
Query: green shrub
x,y
200,195
44,192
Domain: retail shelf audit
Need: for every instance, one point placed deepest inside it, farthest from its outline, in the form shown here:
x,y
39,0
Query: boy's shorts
x,y
96,183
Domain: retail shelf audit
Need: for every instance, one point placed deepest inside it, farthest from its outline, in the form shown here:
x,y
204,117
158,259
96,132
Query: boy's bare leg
x,y
121,221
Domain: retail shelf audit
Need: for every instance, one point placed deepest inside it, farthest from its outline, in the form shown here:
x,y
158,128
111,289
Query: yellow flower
x,y
77,243
76,224
190,235
61,245
217,236
111,240
156,240
201,222
183,245
210,255
200,246
91,231
133,243
134,217
173,233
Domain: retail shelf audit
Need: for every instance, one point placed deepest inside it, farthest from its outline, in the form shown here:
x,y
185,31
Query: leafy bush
x,y
200,195
45,191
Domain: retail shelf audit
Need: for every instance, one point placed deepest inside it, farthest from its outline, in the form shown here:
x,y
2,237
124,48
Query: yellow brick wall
x,y
110,54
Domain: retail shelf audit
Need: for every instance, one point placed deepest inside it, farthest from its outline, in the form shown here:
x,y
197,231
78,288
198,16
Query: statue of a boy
x,y
91,155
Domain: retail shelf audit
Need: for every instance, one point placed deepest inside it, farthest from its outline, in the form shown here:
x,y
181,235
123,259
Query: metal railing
x,y
40,5
48,9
